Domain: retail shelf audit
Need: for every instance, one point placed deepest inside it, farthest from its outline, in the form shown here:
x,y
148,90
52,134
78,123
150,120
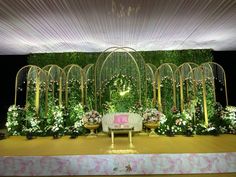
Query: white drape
x,y
33,26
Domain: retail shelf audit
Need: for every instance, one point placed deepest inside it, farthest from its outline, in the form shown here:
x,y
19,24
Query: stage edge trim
x,y
123,164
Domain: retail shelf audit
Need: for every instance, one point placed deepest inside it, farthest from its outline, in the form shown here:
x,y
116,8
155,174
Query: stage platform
x,y
45,156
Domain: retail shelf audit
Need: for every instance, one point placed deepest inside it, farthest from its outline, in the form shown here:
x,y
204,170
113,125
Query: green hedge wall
x,y
155,57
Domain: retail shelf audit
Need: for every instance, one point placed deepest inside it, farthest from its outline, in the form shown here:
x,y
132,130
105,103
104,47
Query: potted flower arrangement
x,y
174,119
228,120
74,121
186,123
92,120
151,119
14,119
75,129
32,123
57,122
92,117
32,127
151,116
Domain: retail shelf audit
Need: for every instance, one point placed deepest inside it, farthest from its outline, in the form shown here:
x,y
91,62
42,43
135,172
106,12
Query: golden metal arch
x,y
103,63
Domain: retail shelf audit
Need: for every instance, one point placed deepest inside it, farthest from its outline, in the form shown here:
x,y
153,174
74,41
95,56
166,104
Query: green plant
x,y
32,122
56,121
74,122
137,108
228,120
15,117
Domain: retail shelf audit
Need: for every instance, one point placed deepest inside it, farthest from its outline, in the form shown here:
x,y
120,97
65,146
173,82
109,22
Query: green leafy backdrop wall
x,y
155,57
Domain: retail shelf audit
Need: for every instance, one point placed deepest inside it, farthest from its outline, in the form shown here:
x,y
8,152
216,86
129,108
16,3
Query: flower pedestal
x,y
92,128
152,126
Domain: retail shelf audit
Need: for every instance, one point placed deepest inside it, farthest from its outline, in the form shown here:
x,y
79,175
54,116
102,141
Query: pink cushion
x,y
121,119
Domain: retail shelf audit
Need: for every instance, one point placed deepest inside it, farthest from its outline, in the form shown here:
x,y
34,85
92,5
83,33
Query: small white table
x,y
121,129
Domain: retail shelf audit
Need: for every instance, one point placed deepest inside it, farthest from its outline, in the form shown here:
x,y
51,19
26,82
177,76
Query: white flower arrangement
x,y
92,117
57,125
14,116
231,108
229,115
32,125
152,116
79,123
76,128
58,119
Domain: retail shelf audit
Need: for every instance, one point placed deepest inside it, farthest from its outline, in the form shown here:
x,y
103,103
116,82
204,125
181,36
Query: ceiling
x,y
36,26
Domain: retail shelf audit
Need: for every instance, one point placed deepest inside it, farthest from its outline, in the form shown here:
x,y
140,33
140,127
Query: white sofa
x,y
134,120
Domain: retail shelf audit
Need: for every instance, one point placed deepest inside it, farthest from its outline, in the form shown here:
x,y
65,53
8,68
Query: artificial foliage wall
x,y
156,58
57,99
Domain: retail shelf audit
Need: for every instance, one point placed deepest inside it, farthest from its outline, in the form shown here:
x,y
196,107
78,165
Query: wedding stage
x,y
45,156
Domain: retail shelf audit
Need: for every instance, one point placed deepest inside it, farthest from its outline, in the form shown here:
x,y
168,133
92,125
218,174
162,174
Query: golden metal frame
x,y
152,68
67,70
37,79
209,64
172,67
99,70
60,80
182,78
87,69
199,71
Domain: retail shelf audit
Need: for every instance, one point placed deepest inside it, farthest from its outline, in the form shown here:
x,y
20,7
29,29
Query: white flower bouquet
x,y
92,117
152,116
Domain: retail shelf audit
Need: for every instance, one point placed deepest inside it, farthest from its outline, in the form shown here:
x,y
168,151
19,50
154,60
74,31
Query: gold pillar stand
x,y
152,126
92,128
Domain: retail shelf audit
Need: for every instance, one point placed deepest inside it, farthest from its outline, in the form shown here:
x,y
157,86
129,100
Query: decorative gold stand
x,y
152,126
92,128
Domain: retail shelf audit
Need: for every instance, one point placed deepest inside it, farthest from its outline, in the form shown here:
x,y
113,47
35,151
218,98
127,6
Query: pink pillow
x,y
121,119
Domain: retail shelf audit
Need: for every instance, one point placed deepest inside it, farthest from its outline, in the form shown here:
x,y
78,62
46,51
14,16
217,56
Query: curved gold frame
x,y
152,68
37,87
182,77
61,80
203,71
69,67
103,63
171,66
223,71
200,71
87,69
